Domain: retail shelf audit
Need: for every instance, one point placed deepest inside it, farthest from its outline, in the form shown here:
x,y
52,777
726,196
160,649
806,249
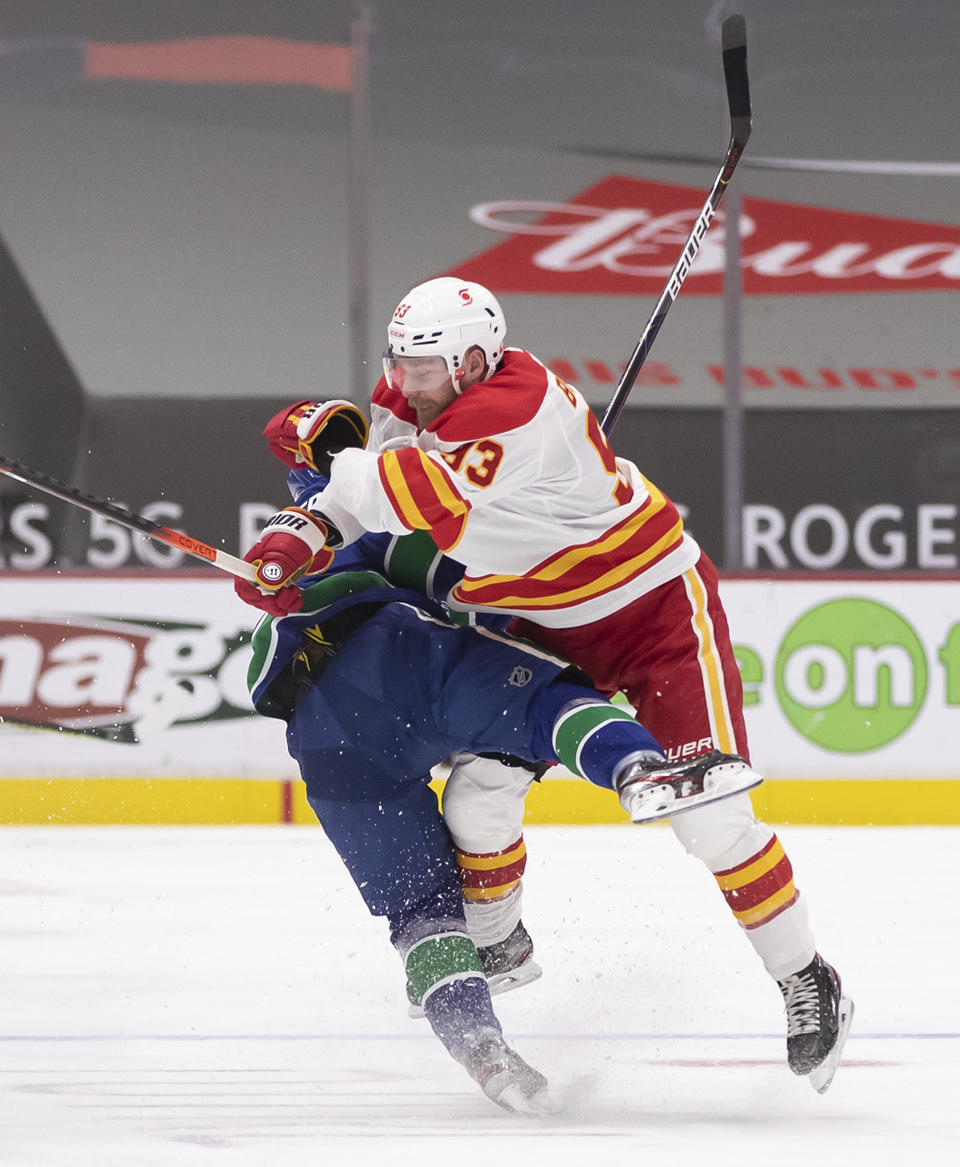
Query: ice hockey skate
x,y
506,1079
818,1021
652,789
507,965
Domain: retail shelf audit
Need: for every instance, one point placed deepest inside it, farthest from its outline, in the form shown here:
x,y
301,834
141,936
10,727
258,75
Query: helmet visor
x,y
415,374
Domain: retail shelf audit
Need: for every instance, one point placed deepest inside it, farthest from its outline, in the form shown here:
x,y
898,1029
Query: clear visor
x,y
414,374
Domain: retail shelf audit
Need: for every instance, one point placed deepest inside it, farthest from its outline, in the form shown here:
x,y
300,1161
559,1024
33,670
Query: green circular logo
x,y
851,675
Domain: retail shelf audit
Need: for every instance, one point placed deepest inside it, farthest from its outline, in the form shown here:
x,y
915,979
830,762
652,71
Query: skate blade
x,y
516,978
668,804
504,982
537,1105
821,1076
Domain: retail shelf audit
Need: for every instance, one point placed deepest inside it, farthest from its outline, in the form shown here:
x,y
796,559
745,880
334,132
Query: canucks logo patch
x,y
521,676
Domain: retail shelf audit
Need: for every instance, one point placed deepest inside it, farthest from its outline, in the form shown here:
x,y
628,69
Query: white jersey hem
x,y
670,567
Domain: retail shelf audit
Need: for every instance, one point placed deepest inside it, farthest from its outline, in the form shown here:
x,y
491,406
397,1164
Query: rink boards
x,y
123,699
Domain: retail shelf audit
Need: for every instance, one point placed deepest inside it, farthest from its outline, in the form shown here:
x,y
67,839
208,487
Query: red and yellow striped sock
x,y
761,887
491,875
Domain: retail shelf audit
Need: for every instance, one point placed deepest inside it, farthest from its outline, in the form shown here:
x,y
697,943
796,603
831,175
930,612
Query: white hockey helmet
x,y
444,318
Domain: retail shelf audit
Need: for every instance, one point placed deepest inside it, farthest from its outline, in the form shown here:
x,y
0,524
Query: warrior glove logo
x,y
272,572
287,519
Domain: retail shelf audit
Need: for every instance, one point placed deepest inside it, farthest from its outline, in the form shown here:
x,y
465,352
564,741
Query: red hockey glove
x,y
293,544
280,603
310,431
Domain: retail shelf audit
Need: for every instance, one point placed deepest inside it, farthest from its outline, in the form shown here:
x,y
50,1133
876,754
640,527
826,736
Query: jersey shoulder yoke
x,y
509,399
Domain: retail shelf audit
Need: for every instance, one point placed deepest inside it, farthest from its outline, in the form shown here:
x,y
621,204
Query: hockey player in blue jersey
x,y
377,687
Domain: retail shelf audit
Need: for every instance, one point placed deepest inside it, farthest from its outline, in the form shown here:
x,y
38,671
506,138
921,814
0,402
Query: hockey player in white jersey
x,y
507,469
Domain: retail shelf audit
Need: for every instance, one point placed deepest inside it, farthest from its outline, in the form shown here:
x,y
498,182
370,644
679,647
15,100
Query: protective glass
x,y
415,374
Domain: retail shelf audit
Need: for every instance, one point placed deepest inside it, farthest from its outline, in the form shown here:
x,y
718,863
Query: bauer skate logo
x,y
521,676
690,749
623,236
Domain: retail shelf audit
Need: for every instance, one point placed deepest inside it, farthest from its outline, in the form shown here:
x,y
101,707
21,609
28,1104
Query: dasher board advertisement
x,y
128,675
145,676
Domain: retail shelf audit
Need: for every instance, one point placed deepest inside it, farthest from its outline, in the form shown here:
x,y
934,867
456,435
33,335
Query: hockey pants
x,y
670,653
404,693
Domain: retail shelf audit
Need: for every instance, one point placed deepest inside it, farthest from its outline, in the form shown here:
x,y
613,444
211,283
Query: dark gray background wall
x,y
185,246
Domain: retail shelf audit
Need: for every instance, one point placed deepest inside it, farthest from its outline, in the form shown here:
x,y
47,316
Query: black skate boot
x,y
818,1020
652,789
509,963
505,1077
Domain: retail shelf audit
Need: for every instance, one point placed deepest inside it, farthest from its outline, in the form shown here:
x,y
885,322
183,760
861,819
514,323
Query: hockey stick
x,y
734,40
135,522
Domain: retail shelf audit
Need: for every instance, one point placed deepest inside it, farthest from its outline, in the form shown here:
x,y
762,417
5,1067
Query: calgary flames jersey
x,y
515,480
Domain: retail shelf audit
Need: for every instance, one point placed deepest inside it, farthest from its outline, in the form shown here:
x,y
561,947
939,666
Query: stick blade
x,y
734,33
734,41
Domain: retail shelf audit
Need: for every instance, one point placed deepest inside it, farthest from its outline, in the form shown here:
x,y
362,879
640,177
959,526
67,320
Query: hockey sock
x,y
594,739
490,921
759,888
444,973
491,875
461,1012
439,959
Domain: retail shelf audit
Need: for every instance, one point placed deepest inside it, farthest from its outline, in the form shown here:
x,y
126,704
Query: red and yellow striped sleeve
x,y
423,496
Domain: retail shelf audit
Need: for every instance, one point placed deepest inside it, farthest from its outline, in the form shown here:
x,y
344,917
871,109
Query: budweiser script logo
x,y
624,236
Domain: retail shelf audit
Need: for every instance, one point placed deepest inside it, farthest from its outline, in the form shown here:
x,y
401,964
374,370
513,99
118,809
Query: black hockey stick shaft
x,y
129,519
734,40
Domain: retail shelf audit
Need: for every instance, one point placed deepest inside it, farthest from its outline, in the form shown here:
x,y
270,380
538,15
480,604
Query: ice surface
x,y
182,996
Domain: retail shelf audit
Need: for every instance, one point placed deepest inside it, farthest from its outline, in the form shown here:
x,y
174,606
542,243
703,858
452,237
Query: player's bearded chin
x,y
426,410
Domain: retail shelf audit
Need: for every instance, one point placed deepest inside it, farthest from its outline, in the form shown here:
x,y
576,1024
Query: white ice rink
x,y
218,996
